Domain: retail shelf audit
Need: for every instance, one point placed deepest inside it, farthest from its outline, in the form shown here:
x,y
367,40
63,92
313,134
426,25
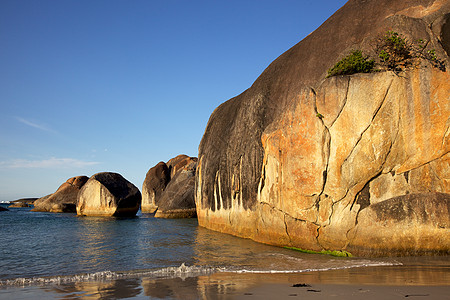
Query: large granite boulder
x,y
300,160
177,200
168,189
154,184
65,197
108,194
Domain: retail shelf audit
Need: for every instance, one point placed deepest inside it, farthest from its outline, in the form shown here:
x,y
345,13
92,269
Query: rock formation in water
x,y
19,204
64,199
3,208
108,194
168,189
29,201
358,163
154,184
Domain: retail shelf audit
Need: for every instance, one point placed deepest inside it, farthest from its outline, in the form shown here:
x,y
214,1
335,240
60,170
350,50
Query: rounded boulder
x,y
108,194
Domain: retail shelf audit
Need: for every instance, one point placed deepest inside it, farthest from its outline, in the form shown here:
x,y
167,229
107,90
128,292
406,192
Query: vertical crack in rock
x,y
329,220
370,123
285,214
262,182
446,134
406,175
326,143
286,228
343,104
363,196
318,234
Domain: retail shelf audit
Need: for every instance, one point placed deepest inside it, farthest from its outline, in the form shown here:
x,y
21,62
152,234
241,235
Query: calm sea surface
x,y
49,248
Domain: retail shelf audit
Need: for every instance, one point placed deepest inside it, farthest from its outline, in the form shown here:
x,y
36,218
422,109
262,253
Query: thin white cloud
x,y
50,163
34,124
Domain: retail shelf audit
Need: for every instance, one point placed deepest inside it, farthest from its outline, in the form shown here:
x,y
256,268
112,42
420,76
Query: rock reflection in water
x,y
117,289
176,288
433,272
107,243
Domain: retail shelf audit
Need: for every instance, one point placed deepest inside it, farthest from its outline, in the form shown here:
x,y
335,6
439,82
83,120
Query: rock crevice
x,y
300,160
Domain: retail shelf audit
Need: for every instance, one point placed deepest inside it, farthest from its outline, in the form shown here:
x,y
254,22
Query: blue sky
x,y
88,86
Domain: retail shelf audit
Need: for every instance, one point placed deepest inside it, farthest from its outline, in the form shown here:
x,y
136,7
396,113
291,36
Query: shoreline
x,y
383,282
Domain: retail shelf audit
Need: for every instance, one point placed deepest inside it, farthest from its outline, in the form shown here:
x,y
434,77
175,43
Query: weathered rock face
x,y
108,194
65,197
168,189
178,200
154,184
271,168
404,223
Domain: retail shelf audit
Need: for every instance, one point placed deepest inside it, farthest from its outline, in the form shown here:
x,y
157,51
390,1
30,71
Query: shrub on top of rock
x,y
353,63
393,52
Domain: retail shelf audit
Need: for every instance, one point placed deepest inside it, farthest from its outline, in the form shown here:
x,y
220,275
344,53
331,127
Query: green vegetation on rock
x,y
396,52
393,52
353,63
327,252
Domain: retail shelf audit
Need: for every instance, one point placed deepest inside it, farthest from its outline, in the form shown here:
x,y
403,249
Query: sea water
x,y
39,248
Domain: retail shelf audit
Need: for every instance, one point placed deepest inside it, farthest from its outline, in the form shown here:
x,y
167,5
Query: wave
x,y
372,264
182,271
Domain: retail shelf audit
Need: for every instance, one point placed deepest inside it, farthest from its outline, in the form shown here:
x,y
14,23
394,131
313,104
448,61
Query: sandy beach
x,y
392,282
330,291
386,282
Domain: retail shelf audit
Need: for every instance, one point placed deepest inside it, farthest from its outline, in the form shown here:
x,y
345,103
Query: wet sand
x,y
388,282
392,282
328,291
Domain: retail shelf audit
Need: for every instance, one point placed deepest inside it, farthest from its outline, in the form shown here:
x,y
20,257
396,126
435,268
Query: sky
x,y
90,86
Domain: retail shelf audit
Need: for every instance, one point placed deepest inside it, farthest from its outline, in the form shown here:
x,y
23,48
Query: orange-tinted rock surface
x,y
168,189
299,160
108,194
65,197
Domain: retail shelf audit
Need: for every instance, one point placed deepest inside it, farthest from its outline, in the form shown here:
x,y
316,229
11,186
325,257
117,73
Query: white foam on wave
x,y
368,264
182,271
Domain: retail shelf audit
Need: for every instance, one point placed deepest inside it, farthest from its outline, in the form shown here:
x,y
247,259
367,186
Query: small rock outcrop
x,y
168,189
357,163
64,199
3,208
29,201
108,194
19,204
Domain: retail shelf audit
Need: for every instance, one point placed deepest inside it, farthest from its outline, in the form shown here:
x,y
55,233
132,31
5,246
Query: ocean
x,y
63,256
